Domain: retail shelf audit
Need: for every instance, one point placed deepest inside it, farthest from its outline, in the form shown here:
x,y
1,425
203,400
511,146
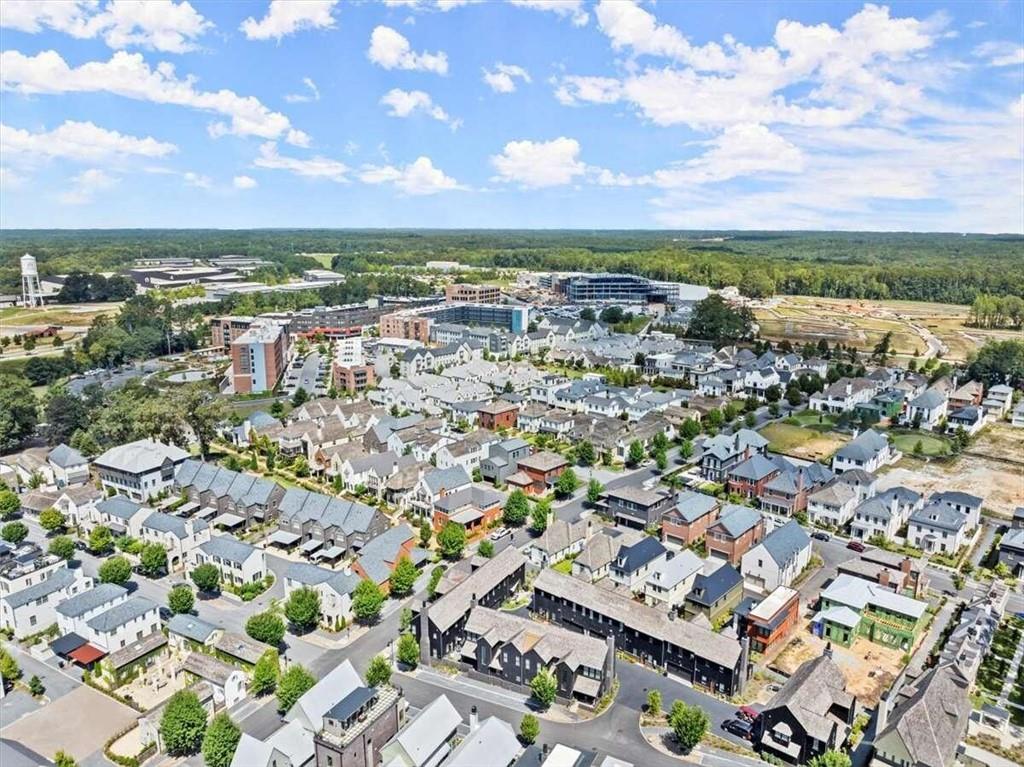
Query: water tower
x,y
31,292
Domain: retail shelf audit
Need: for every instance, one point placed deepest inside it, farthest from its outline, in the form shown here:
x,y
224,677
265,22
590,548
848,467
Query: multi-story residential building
x,y
258,358
254,499
926,410
998,401
415,324
723,451
335,588
315,521
140,469
515,649
965,503
869,451
25,565
503,459
811,714
899,574
778,559
353,378
768,622
970,419
1011,550
671,579
108,619
843,396
748,478
633,563
937,528
560,539
32,608
239,562
425,741
852,607
459,292
177,535
832,505
499,414
440,627
788,491
224,330
716,592
356,726
538,472
736,530
595,560
69,466
970,393
638,507
696,654
688,520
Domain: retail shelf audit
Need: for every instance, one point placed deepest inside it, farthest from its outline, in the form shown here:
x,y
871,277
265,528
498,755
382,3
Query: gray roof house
x,y
778,559
426,740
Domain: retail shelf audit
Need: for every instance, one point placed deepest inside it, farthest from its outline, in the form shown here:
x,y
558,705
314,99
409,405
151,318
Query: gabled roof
x,y
784,543
446,480
709,588
446,611
939,515
141,456
643,552
755,468
736,520
324,695
379,555
426,733
691,505
957,498
810,692
670,572
121,613
97,596
58,580
65,456
864,447
482,746
191,627
119,506
929,400
168,523
228,547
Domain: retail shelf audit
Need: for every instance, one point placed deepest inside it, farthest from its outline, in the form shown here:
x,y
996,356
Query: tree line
x,y
997,311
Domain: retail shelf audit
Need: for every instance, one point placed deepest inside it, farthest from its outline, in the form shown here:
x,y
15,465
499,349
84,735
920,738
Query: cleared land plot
x,y
863,323
60,314
999,440
1001,484
79,723
802,442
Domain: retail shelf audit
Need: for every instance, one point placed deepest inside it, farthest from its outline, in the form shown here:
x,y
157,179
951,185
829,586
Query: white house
x,y
559,540
179,536
228,682
78,504
778,559
290,746
427,739
868,451
971,419
937,528
634,563
68,465
140,469
238,562
121,515
876,516
107,618
964,503
998,401
670,580
832,505
926,410
34,608
843,396
335,588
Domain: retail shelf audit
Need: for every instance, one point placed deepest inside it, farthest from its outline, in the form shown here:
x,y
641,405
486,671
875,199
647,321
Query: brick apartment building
x,y
472,294
498,415
258,358
737,530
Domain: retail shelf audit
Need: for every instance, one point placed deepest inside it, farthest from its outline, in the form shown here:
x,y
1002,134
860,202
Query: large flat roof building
x,y
258,357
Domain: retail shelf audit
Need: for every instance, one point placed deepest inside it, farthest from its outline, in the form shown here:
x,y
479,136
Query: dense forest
x,y
931,267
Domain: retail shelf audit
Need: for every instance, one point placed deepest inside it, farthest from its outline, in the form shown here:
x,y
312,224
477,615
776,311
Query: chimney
x,y
425,633
894,504
474,720
883,578
849,388
906,565
828,650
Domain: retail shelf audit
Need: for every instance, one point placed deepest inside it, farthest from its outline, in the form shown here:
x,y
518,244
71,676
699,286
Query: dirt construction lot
x,y
79,723
869,668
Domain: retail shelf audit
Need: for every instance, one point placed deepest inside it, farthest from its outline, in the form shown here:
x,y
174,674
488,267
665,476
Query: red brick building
x,y
769,622
353,378
538,472
408,326
687,522
737,530
498,415
749,477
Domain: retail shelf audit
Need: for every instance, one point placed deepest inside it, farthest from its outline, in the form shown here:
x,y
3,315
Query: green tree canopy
x,y
688,723
636,453
830,759
14,532
181,599
153,559
10,504
517,508
17,411
566,483
544,687
206,577
117,570
486,548
539,516
408,650
302,609
714,319
62,546
451,540
266,627
220,741
183,724
52,519
292,685
529,729
100,539
378,673
403,577
367,601
265,674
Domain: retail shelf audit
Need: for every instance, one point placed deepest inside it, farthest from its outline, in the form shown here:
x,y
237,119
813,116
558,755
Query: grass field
x,y
70,314
801,442
932,445
864,323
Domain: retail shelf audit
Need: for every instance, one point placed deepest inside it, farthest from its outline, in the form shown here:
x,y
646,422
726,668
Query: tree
x,y
403,577
300,397
544,687
750,420
451,540
367,601
408,650
9,670
690,429
10,504
181,599
36,686
100,540
153,559
594,490
378,673
206,577
302,609
688,723
539,517
654,702
517,508
64,759
486,548
266,627
14,532
265,673
529,729
17,411
52,519
62,546
566,483
183,724
686,449
435,578
636,453
715,320
585,454
588,314
221,740
293,684
115,570
425,534
661,460
830,759
203,411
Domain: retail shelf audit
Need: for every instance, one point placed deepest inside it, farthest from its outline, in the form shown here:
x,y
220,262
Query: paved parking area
x,y
79,723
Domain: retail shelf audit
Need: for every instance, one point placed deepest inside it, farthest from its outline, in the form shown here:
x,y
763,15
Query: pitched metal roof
x,y
120,614
87,601
228,547
191,627
58,580
141,456
784,543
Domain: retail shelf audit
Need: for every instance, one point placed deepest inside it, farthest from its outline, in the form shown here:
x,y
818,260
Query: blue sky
x,y
526,113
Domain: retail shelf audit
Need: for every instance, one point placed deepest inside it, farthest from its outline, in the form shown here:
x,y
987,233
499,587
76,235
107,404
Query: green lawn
x,y
932,445
811,418
565,567
803,442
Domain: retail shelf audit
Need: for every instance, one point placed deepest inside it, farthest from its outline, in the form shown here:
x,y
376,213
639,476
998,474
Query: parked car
x,y
500,533
821,535
856,546
747,714
739,728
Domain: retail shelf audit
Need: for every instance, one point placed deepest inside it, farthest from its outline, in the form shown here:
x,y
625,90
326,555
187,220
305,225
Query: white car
x,y
500,533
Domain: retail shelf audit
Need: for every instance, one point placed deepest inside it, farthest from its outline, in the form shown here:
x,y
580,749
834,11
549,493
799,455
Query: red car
x,y
747,713
855,546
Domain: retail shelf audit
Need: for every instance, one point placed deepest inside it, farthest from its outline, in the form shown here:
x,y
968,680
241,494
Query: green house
x,y
852,607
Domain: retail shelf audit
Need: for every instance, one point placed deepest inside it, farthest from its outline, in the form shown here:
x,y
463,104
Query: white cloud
x,y
128,75
197,180
391,50
85,185
1001,53
314,167
163,25
80,142
9,179
564,8
406,103
502,79
535,164
287,17
430,5
740,150
312,95
577,89
417,178
244,182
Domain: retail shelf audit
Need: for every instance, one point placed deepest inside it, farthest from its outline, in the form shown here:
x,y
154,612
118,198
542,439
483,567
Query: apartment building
x,y
258,358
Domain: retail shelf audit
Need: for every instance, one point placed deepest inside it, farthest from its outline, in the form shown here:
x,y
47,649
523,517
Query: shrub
x,y
688,723
529,729
265,674
409,650
220,742
14,532
265,627
183,724
379,671
115,570
181,599
544,687
293,684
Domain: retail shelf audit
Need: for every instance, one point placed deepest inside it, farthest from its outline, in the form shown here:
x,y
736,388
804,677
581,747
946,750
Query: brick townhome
x,y
734,533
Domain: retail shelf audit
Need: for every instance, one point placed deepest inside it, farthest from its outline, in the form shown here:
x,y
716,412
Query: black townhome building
x,y
707,659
